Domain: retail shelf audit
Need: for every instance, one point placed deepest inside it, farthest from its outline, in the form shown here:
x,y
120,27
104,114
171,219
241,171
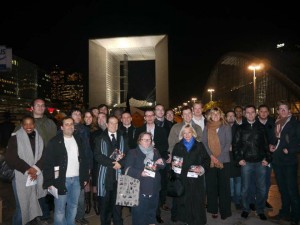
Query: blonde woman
x,y
217,140
189,162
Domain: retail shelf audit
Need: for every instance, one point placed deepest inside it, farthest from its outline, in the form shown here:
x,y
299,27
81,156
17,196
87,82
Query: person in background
x,y
239,117
136,160
84,134
195,162
128,129
198,118
95,111
25,155
235,168
103,108
66,169
89,121
217,139
6,129
170,115
250,149
285,163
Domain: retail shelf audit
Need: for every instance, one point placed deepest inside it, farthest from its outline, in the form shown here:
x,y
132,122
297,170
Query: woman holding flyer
x,y
144,163
190,161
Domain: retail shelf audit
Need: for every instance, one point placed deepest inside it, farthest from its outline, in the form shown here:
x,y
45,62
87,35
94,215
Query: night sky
x,y
57,33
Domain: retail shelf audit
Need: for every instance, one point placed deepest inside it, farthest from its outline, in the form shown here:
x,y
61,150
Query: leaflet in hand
x,y
30,182
53,191
150,168
177,164
116,155
191,172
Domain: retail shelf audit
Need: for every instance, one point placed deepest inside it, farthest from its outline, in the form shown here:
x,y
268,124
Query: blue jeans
x,y
66,205
81,206
254,172
286,178
145,212
235,189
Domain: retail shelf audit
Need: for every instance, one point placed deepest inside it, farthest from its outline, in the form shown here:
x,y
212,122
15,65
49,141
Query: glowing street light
x,y
194,100
255,67
211,92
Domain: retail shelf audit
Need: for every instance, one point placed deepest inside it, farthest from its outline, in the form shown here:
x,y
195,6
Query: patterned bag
x,y
128,190
6,173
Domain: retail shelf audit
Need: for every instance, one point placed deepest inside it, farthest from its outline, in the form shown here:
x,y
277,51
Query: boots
x,y
88,203
95,202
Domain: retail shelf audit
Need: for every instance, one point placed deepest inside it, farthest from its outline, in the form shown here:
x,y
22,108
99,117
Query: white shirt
x,y
199,122
73,162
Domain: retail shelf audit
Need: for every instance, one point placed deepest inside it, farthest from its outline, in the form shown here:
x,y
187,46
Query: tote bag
x,y
128,190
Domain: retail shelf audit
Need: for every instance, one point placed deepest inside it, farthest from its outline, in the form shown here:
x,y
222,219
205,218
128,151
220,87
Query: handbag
x,y
175,186
6,173
128,190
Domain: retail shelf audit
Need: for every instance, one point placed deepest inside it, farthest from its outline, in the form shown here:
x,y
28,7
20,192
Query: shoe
x,y
159,219
165,207
262,216
245,214
214,216
252,207
268,205
280,217
82,221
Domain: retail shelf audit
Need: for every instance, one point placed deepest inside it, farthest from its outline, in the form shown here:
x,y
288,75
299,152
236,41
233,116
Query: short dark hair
x,y
33,101
263,106
250,106
238,106
74,110
102,105
27,116
230,111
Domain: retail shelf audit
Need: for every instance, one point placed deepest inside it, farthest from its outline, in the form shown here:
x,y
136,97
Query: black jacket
x,y
129,135
250,143
56,155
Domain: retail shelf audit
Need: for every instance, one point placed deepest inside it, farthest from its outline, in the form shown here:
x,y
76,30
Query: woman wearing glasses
x,y
144,163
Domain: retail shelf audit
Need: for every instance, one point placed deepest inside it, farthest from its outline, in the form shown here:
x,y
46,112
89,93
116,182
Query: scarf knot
x,y
149,152
189,144
213,138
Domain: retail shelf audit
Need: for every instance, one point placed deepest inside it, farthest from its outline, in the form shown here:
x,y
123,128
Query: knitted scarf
x,y
213,138
28,196
280,122
149,152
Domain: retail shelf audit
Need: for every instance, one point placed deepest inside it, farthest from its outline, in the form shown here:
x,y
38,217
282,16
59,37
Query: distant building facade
x,y
277,79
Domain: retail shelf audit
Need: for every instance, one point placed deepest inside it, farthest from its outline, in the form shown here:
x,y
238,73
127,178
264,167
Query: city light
x,y
211,92
255,67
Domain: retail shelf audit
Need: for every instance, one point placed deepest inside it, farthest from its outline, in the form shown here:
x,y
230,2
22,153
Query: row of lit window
x,y
8,92
7,81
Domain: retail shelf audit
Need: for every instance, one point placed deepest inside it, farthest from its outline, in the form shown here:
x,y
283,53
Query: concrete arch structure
x,y
106,56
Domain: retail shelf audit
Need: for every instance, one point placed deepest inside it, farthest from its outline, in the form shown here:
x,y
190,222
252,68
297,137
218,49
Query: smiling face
x,y
28,125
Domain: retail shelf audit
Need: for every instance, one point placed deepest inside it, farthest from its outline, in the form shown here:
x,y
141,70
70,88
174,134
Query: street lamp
x,y
211,91
254,67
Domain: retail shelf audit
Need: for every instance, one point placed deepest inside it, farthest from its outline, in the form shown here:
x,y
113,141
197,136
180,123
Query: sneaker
x,y
262,216
268,205
252,207
245,214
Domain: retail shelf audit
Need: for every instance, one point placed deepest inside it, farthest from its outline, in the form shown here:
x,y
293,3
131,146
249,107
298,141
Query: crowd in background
x,y
225,158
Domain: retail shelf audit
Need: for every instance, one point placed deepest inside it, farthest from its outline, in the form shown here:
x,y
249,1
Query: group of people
x,y
224,158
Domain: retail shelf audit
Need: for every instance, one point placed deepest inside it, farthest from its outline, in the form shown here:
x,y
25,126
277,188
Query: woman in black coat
x,y
193,162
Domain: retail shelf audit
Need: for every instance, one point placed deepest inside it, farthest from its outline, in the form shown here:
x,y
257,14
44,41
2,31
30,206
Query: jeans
x,y
66,205
235,189
145,212
268,180
45,208
286,178
81,206
254,172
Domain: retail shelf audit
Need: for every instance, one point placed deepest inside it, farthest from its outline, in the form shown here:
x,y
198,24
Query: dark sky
x,y
50,33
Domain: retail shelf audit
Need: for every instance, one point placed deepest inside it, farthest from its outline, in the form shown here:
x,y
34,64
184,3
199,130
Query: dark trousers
x,y
109,209
163,191
218,190
286,178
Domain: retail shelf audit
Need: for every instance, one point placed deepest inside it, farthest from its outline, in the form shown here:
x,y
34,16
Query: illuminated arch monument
x,y
108,83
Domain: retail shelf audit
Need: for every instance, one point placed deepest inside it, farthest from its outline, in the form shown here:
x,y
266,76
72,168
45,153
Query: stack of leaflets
x,y
191,172
177,164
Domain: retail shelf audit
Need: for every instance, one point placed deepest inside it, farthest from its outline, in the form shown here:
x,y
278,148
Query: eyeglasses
x,y
147,140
